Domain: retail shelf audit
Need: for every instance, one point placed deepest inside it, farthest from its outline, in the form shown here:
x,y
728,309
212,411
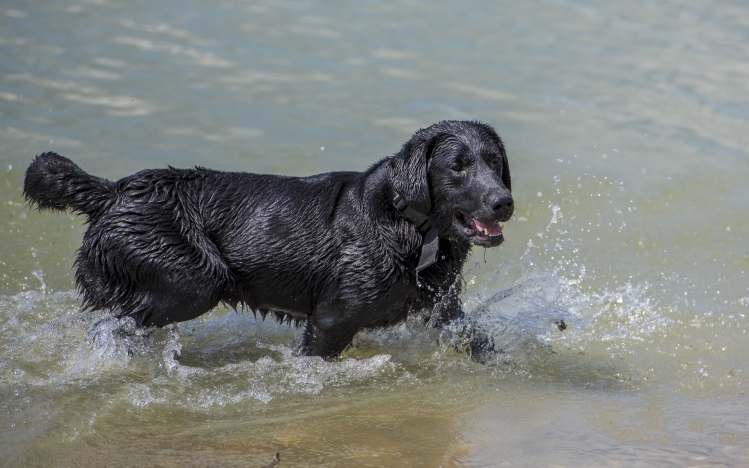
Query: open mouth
x,y
480,233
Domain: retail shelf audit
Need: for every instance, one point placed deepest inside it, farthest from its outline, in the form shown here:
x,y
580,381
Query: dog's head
x,y
458,173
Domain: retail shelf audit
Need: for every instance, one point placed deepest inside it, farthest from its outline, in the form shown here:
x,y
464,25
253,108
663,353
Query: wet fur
x,y
330,250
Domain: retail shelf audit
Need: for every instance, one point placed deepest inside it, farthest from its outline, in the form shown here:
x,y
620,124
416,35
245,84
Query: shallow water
x,y
626,125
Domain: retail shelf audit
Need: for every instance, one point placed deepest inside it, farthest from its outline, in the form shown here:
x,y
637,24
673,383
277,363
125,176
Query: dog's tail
x,y
54,182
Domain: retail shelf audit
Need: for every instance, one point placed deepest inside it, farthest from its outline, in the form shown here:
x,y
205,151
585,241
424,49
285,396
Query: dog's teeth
x,y
486,231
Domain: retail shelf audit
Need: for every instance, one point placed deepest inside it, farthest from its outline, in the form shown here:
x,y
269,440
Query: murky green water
x,y
626,124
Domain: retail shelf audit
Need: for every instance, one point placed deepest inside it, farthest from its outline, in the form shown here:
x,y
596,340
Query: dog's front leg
x,y
449,310
327,334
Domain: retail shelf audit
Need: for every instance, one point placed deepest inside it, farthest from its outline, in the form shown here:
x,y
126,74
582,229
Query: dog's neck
x,y
417,218
430,235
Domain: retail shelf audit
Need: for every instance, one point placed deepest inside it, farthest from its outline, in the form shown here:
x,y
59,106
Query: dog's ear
x,y
411,171
506,171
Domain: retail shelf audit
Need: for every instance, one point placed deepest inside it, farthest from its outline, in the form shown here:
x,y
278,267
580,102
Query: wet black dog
x,y
342,251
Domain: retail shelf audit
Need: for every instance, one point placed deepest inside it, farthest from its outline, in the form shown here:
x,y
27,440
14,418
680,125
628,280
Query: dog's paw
x,y
481,348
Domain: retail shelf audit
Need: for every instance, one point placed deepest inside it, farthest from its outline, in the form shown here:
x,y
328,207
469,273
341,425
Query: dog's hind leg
x,y
176,298
149,269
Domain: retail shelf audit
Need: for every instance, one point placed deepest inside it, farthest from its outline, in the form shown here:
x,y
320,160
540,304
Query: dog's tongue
x,y
488,229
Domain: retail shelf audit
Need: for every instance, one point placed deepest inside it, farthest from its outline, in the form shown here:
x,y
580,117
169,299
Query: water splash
x,y
521,307
230,358
39,274
172,349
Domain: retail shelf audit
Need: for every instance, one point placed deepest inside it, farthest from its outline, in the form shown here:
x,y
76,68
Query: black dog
x,y
342,251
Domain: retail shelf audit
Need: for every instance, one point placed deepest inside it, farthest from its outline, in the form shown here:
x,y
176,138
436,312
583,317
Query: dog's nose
x,y
503,206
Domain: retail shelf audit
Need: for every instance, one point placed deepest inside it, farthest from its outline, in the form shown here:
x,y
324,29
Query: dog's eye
x,y
494,160
458,165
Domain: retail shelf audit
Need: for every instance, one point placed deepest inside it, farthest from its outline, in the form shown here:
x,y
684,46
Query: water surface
x,y
626,126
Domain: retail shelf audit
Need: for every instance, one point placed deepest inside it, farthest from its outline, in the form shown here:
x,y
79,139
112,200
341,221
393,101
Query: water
x,y
626,124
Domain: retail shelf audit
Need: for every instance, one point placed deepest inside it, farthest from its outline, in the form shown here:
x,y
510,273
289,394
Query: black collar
x,y
430,243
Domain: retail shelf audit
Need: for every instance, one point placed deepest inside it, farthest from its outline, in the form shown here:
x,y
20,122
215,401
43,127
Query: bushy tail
x,y
54,182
